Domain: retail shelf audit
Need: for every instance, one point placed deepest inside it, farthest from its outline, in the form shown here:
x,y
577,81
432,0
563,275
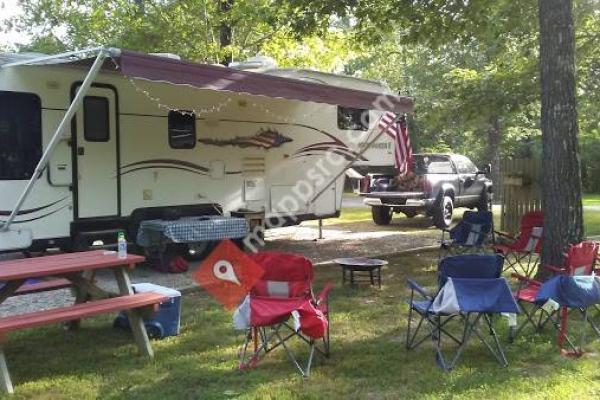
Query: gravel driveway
x,y
361,238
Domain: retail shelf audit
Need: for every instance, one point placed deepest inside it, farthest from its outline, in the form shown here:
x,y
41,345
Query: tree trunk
x,y
225,31
561,169
493,149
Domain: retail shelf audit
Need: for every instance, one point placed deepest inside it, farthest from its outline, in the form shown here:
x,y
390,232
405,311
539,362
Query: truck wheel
x,y
484,201
382,215
442,214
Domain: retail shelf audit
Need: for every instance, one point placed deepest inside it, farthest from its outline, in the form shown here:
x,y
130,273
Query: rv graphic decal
x,y
264,139
335,146
165,163
6,213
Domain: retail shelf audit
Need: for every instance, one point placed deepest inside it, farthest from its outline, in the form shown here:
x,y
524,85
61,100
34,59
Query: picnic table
x,y
75,270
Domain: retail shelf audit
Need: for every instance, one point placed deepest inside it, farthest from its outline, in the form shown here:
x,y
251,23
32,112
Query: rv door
x,y
95,150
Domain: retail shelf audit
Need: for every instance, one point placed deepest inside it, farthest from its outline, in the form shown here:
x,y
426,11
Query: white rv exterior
x,y
139,145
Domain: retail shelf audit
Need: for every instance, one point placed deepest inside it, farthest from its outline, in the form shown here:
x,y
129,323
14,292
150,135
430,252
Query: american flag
x,y
398,131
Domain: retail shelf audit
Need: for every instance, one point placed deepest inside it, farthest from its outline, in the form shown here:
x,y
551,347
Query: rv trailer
x,y
98,141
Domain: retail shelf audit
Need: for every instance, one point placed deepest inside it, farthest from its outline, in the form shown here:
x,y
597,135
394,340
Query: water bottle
x,y
122,245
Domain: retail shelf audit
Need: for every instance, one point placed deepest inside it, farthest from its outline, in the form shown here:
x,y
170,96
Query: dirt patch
x,y
361,238
349,240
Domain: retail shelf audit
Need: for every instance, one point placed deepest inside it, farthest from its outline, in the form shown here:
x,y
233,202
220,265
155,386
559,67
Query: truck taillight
x,y
365,184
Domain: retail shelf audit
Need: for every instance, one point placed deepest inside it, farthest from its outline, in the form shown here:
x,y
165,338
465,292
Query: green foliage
x,y
329,52
467,64
186,27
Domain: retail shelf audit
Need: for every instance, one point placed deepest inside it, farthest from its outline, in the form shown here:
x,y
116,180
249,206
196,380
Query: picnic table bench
x,y
75,270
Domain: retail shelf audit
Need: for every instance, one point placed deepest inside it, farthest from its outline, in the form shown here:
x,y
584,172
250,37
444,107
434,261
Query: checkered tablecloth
x,y
191,230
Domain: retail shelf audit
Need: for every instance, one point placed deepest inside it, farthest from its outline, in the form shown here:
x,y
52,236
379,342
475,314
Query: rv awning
x,y
204,76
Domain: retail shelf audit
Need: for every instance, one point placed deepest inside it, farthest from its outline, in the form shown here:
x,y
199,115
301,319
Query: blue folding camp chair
x,y
471,234
470,290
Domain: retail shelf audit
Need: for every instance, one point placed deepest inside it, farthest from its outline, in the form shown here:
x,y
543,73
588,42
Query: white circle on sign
x,y
223,270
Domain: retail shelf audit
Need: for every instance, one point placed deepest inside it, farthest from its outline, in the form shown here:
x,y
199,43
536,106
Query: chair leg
x,y
6,382
496,350
467,332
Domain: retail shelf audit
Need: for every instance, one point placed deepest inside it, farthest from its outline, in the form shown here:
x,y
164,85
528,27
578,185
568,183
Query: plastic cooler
x,y
166,321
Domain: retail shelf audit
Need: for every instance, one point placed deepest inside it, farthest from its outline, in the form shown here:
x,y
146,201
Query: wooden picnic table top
x,y
38,267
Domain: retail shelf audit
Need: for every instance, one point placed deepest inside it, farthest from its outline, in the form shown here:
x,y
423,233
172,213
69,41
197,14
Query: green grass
x,y
591,199
361,214
368,357
591,220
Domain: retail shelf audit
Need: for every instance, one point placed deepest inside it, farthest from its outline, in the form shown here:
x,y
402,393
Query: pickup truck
x,y
437,184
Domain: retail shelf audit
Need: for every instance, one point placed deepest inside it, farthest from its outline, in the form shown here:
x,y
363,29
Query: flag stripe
x,y
398,131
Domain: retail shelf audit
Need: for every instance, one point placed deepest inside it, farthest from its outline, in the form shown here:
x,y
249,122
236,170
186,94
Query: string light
x,y
212,109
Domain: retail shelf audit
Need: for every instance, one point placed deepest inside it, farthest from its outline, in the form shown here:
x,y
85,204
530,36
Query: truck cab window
x,y
355,119
96,119
464,165
182,129
20,134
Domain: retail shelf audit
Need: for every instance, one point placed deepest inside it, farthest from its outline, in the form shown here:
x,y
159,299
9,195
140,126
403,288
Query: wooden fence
x,y
520,191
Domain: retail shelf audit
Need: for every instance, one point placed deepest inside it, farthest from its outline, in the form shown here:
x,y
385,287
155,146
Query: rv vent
x,y
253,166
167,55
257,63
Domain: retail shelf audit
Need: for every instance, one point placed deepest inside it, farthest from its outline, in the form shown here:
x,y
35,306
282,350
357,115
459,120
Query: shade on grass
x,y
368,357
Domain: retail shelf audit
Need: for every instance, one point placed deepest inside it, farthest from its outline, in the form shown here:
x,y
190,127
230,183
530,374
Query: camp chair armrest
x,y
505,234
324,294
415,287
554,268
524,279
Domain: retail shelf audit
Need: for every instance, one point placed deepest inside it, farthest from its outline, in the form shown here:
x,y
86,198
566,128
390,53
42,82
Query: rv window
x,y
353,118
182,129
20,135
96,119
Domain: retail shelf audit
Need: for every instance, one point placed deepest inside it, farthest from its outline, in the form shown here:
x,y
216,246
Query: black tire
x,y
484,201
442,213
80,243
410,214
197,251
154,331
382,215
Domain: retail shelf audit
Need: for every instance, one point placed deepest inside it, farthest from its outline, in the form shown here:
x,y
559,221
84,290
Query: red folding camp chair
x,y
282,306
526,247
579,260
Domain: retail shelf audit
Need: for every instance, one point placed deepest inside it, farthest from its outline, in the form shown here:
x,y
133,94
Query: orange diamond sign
x,y
228,274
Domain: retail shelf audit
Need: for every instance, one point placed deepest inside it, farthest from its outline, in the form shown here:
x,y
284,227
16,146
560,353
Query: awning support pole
x,y
343,171
52,57
39,169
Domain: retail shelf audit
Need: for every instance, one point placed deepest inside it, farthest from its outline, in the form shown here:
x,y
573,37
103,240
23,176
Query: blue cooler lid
x,y
151,287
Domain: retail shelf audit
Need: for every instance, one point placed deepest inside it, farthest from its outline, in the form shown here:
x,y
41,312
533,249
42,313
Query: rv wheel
x,y
198,251
80,243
